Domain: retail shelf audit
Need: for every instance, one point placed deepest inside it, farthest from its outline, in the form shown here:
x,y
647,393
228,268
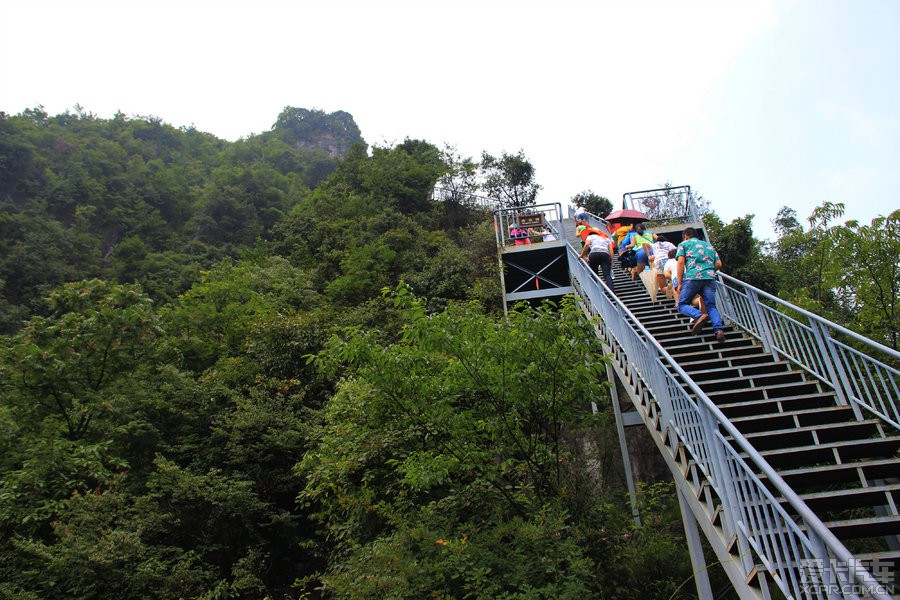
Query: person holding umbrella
x,y
621,224
625,216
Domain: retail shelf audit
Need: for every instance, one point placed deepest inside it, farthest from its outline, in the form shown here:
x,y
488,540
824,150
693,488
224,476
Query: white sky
x,y
754,104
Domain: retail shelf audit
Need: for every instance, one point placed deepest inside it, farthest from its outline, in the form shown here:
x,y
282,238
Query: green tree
x,y
61,365
804,262
403,176
846,272
866,278
450,463
594,203
741,253
212,322
459,190
509,179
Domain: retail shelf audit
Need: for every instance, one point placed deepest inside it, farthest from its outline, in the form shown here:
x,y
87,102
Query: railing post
x,y
836,372
661,391
724,480
824,567
762,324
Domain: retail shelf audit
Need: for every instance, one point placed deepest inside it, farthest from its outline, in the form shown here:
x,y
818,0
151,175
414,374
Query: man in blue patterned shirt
x,y
698,262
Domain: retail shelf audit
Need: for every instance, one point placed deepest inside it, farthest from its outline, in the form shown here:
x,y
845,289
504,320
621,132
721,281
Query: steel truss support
x,y
623,445
537,275
695,546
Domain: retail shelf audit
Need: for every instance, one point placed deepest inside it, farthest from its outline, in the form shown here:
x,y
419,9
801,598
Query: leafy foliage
x,y
593,202
450,462
96,334
140,201
742,255
847,272
510,179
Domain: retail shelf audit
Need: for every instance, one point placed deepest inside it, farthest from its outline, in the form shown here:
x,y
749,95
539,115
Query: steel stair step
x,y
886,495
771,406
799,418
712,371
693,348
722,357
734,380
884,566
835,477
856,529
705,342
814,435
833,453
769,392
736,360
657,313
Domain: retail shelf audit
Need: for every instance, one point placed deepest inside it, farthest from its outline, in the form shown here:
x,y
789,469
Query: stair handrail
x,y
805,559
863,381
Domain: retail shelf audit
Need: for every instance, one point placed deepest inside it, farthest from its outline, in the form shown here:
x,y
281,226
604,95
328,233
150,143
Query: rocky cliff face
x,y
333,133
327,142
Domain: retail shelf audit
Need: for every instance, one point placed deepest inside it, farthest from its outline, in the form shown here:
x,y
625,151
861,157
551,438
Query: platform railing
x,y
664,205
858,369
770,524
540,222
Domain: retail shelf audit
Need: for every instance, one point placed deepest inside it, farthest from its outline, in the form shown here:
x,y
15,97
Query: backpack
x,y
628,258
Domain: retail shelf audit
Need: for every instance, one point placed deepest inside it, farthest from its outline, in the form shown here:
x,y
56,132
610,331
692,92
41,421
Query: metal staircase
x,y
783,440
845,469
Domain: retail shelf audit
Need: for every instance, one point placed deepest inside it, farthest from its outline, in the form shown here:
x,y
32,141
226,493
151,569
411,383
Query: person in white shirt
x,y
598,249
670,273
661,249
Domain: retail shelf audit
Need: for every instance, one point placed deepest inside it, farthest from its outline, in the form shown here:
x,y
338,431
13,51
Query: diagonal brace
x,y
535,274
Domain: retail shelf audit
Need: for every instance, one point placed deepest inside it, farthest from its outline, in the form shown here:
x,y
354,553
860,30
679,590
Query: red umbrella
x,y
626,215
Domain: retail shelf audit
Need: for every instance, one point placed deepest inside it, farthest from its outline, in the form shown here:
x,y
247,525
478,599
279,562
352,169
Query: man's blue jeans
x,y
707,290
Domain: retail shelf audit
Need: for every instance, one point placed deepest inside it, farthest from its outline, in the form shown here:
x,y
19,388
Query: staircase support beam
x,y
695,547
623,445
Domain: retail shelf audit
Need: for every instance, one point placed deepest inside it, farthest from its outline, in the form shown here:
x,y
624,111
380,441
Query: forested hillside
x,y
137,200
274,368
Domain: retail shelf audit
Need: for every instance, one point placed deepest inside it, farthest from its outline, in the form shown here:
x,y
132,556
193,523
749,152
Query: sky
x,y
756,104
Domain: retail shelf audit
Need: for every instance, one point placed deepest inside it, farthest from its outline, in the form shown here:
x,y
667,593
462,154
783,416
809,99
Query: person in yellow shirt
x,y
641,240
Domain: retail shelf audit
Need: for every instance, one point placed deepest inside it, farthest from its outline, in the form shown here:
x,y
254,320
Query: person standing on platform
x,y
698,262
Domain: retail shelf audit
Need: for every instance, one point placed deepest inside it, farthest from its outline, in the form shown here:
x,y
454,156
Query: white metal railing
x,y
592,219
779,532
863,379
664,205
